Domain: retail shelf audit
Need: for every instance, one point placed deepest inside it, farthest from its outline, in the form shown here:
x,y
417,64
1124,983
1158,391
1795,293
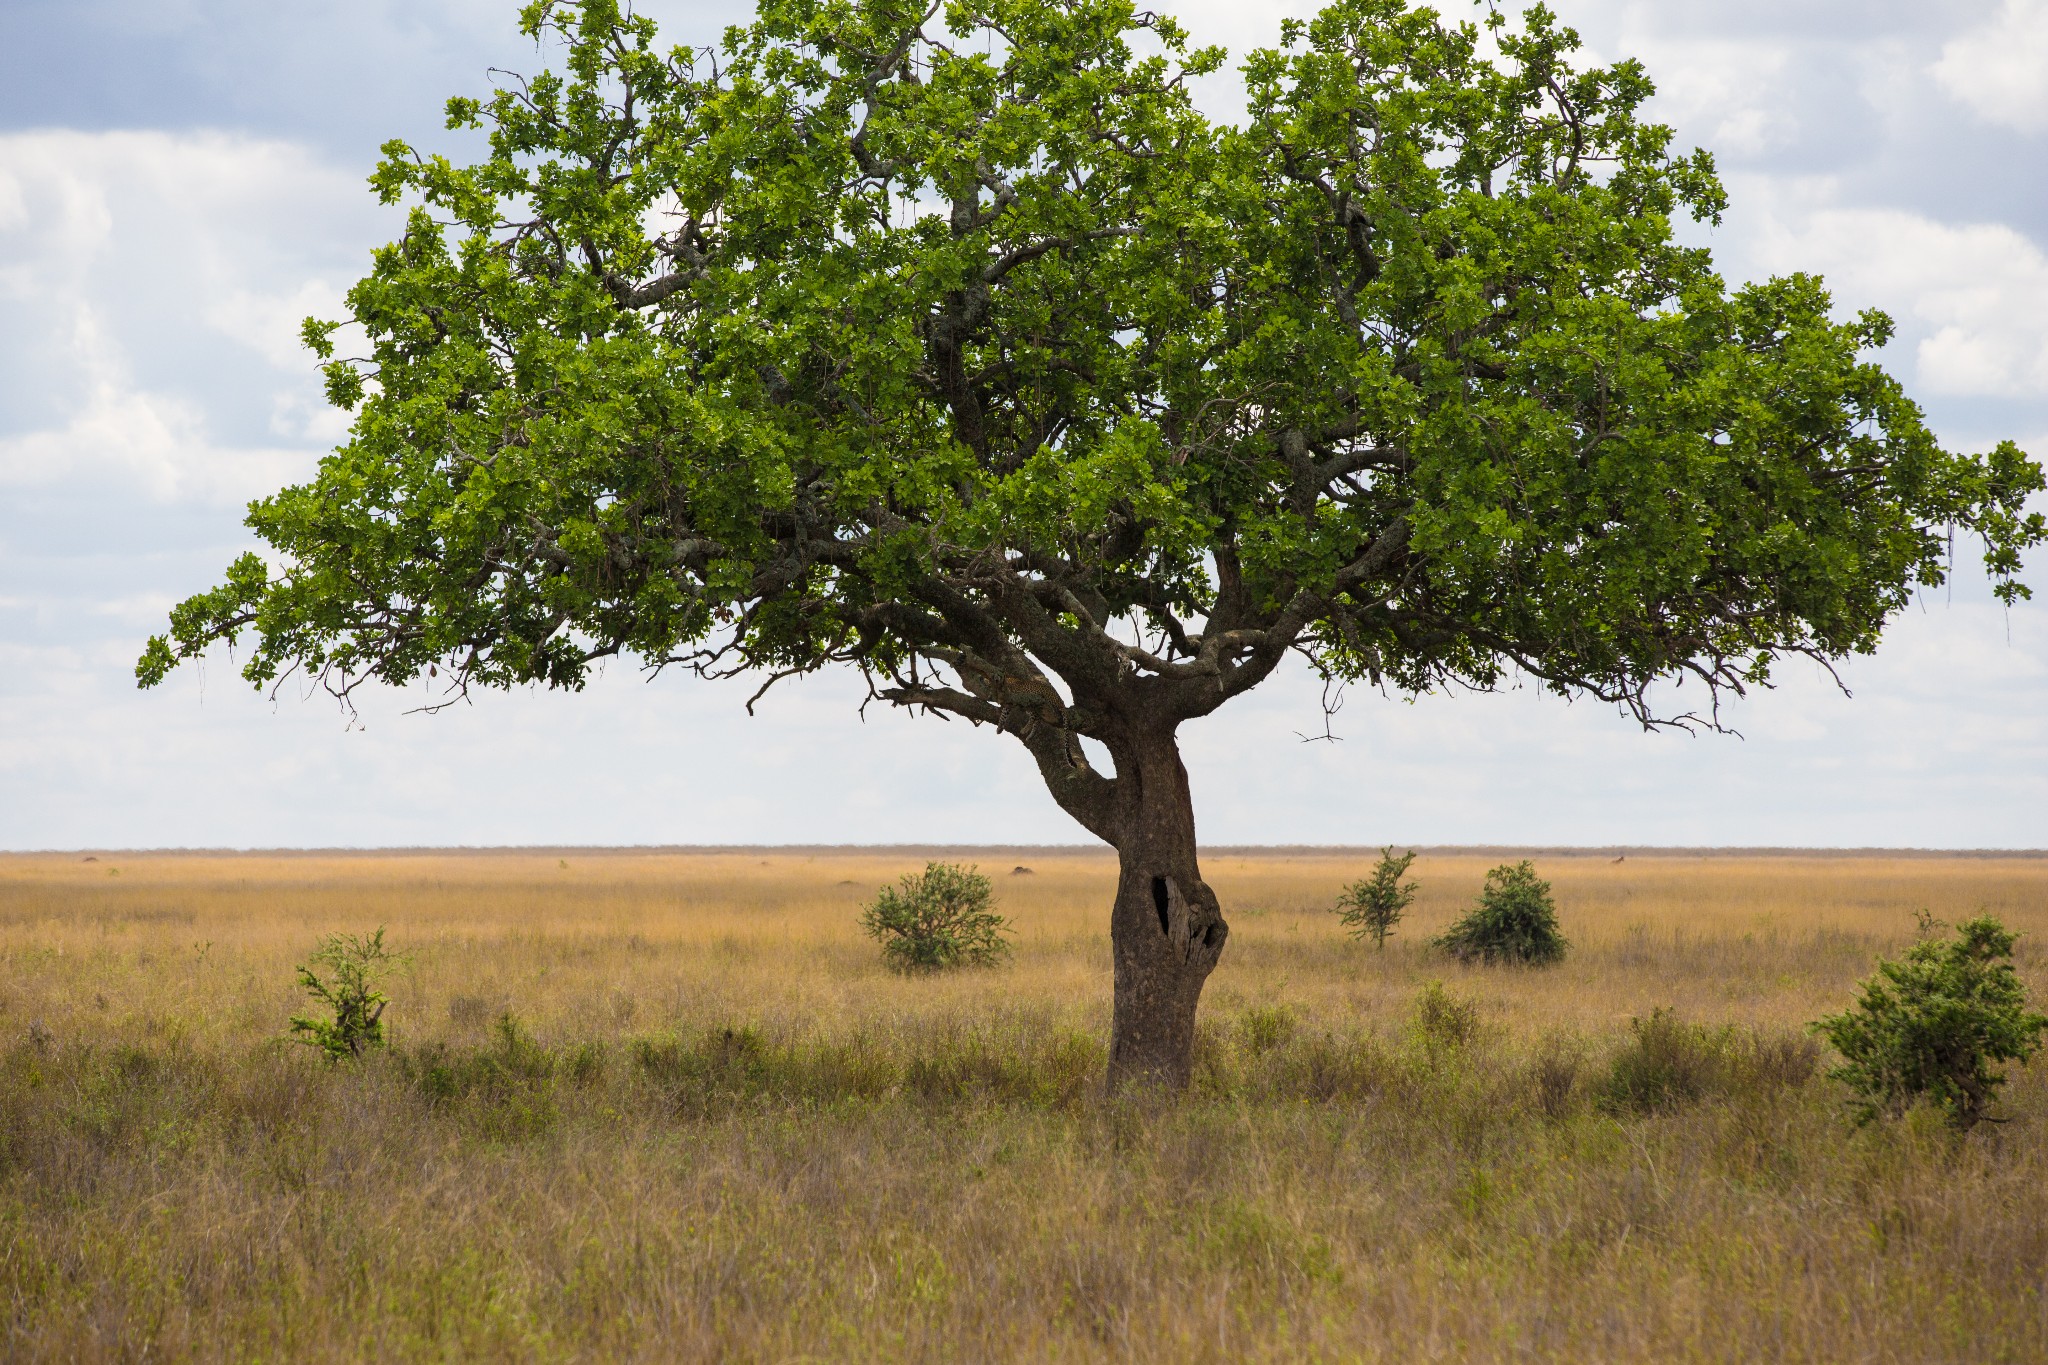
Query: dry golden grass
x,y
719,1128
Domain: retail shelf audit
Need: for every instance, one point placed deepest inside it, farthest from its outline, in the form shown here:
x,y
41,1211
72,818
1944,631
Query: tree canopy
x,y
952,342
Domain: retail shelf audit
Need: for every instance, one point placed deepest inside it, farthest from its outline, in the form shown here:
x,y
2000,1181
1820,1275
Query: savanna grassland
x,y
671,1106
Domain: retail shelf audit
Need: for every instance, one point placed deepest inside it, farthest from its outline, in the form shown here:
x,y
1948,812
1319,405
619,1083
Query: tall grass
x,y
676,1107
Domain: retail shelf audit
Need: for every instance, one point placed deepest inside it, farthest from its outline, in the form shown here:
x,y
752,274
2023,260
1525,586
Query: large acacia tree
x,y
956,345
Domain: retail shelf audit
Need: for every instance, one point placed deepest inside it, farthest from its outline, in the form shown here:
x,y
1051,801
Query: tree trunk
x,y
1166,931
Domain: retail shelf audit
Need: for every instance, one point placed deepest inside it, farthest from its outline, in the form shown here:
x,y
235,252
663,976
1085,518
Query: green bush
x,y
937,920
1667,1062
1934,1025
1514,921
1374,906
1262,1028
1442,1019
514,1059
351,994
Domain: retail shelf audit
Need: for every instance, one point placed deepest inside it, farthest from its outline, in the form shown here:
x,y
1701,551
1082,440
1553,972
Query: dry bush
x,y
1554,1075
1667,1062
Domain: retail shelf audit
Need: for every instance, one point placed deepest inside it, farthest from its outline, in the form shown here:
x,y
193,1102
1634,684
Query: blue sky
x,y
181,181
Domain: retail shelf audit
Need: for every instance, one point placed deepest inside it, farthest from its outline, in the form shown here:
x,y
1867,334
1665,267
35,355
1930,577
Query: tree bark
x,y
1166,930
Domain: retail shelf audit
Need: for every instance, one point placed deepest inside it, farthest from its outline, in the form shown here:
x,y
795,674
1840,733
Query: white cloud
x,y
1733,95
144,272
2000,68
13,206
154,443
268,323
1975,294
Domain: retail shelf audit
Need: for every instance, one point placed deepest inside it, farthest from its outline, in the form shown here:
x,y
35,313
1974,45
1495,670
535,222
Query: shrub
x,y
1667,1062
472,1011
937,920
1554,1076
1514,921
1374,906
1779,1062
1933,1026
1442,1019
514,1059
1262,1028
355,961
509,1089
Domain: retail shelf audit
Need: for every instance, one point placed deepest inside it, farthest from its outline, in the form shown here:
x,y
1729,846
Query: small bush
x,y
1778,1063
508,1088
1442,1019
1514,921
513,1058
1667,1062
1374,906
355,960
472,1011
728,1061
1554,1077
1262,1028
586,1064
937,920
1934,1025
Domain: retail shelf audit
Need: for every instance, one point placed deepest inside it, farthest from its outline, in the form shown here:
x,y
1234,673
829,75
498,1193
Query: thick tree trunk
x,y
1166,931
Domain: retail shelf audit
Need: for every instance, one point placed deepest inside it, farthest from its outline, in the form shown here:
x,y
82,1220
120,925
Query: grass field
x,y
670,1107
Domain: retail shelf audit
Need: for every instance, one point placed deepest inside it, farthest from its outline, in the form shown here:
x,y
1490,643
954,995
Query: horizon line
x,y
1085,849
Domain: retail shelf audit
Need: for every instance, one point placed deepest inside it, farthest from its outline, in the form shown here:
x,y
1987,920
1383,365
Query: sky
x,y
182,180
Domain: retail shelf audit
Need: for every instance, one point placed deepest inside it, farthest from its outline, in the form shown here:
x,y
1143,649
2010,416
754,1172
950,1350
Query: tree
x,y
356,961
962,349
1375,904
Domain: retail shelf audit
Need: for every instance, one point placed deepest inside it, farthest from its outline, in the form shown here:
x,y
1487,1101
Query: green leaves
x,y
1374,905
1514,921
350,993
1935,1025
966,344
938,920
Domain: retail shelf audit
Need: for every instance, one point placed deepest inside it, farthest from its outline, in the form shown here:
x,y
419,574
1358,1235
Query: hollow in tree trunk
x,y
1167,929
